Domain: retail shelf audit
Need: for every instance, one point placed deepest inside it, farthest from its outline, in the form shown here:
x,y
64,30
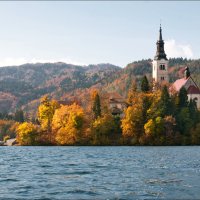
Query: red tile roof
x,y
193,90
178,84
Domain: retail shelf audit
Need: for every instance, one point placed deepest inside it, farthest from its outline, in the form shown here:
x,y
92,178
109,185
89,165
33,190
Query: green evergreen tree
x,y
182,98
96,108
144,84
194,113
145,106
184,121
19,116
165,103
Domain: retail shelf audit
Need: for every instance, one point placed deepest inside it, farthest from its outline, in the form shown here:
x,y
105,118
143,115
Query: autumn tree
x,y
132,93
132,125
27,134
154,109
8,128
67,124
154,131
103,128
169,126
150,128
45,113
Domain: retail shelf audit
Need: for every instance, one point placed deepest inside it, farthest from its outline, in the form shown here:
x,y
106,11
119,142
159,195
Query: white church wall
x,y
157,72
193,96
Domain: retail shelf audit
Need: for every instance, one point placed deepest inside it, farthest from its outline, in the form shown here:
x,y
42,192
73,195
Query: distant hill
x,y
20,85
137,69
23,86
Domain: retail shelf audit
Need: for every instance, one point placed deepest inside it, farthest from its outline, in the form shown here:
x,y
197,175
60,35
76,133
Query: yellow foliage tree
x,y
153,111
27,134
154,131
131,124
132,93
102,128
67,124
45,113
150,128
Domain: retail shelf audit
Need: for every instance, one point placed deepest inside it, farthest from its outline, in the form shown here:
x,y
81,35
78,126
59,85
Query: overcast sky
x,y
96,32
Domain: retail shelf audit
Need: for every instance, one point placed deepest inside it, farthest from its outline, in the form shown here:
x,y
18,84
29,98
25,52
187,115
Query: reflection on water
x,y
100,172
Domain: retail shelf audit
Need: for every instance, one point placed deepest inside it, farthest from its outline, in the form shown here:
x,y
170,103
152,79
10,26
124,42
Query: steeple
x,y
160,53
160,62
160,36
187,72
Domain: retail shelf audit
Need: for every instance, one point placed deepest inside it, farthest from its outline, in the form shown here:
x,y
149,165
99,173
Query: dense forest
x,y
152,118
31,106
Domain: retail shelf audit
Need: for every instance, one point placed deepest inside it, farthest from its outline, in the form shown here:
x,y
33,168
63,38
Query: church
x,y
160,73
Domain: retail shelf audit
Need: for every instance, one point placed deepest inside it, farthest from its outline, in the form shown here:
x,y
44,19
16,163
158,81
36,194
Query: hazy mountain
x,y
24,85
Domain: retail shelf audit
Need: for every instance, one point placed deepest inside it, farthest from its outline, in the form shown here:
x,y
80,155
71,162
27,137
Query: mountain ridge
x,y
22,86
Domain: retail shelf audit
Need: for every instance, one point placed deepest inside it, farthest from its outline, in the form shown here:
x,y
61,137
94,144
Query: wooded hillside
x,y
23,86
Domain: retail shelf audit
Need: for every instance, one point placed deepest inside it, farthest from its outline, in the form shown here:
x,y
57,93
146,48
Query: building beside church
x,y
160,73
189,84
116,103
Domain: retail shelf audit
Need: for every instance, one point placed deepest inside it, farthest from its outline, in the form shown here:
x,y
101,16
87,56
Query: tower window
x,y
162,67
162,78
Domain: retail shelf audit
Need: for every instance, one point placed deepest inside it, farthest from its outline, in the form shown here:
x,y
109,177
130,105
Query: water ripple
x,y
99,172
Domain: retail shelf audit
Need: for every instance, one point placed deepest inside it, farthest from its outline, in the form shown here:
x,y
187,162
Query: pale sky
x,y
86,32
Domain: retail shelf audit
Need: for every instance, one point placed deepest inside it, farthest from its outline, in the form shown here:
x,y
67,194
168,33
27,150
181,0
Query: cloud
x,y
9,61
178,50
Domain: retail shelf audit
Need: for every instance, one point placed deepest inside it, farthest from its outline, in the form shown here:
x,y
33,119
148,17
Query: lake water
x,y
100,172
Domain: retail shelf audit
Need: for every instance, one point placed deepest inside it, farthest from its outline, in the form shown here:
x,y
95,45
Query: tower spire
x,y
160,53
160,35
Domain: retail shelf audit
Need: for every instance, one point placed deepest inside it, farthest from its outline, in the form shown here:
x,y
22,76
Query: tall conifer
x,y
145,84
96,108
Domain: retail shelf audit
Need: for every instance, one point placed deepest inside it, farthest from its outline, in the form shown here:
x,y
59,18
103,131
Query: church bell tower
x,y
160,62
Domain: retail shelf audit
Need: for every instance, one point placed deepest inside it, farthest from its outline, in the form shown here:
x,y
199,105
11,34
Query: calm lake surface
x,y
100,172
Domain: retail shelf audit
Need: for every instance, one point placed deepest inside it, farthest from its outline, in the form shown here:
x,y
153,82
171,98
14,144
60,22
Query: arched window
x,y
162,67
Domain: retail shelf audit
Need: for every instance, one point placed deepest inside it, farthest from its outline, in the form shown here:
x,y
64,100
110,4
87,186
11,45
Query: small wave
x,y
79,173
78,191
71,164
46,166
153,194
158,181
71,176
9,180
